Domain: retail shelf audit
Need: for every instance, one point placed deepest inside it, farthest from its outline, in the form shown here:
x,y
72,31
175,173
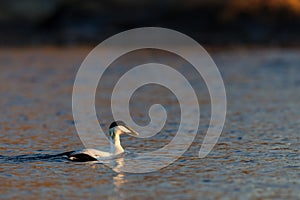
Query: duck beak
x,y
132,132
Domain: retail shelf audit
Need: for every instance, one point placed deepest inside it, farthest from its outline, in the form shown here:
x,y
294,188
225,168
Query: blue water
x,y
256,157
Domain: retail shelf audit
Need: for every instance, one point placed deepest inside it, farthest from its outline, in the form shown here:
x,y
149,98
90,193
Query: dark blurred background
x,y
211,22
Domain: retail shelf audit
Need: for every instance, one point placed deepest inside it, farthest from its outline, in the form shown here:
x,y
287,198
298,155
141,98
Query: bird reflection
x,y
119,180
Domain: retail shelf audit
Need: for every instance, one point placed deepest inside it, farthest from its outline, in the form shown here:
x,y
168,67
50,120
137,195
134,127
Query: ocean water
x,y
256,157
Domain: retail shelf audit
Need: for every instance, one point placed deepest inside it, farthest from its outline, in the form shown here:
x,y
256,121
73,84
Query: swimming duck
x,y
116,129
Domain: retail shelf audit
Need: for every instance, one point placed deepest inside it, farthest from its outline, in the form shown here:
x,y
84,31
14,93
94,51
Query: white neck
x,y
115,144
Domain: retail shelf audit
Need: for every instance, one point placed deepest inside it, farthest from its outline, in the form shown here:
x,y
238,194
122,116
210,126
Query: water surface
x,y
257,155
